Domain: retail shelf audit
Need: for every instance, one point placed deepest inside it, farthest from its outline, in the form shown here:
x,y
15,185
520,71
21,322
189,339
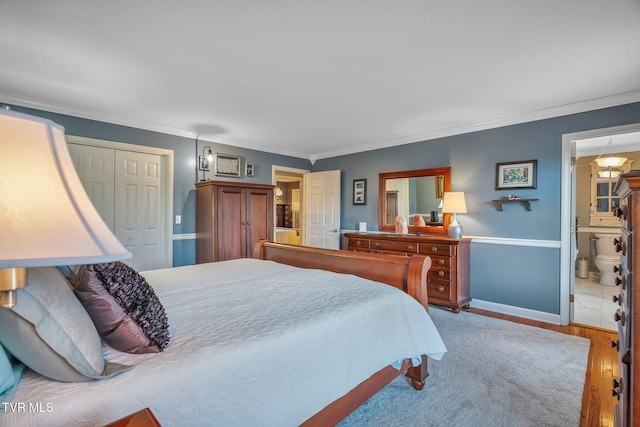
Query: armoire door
x,y
258,217
230,226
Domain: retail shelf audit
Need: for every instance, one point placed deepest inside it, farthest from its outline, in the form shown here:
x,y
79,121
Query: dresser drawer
x,y
440,289
355,244
439,273
396,246
435,249
440,262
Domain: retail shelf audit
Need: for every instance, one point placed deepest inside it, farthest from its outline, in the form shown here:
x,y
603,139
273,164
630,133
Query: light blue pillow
x,y
10,373
50,331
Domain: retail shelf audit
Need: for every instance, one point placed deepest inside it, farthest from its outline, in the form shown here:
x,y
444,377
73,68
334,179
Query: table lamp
x,y
453,202
46,217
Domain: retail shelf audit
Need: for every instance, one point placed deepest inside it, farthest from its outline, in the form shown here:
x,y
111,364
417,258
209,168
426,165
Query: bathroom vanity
x,y
448,277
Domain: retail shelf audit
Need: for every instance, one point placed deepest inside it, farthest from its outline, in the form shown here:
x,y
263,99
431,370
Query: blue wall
x,y
522,276
185,154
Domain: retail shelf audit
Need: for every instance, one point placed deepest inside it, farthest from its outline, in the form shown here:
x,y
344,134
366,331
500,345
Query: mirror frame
x,y
382,208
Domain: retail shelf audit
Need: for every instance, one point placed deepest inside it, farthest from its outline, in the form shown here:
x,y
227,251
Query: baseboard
x,y
516,311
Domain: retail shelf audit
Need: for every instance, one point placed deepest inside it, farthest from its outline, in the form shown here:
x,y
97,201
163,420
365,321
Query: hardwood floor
x,y
597,400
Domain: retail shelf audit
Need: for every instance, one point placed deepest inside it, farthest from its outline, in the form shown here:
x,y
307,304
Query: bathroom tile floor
x,y
593,303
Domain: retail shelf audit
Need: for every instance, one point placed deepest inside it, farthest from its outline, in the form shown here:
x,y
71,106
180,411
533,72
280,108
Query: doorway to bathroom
x,y
289,218
594,175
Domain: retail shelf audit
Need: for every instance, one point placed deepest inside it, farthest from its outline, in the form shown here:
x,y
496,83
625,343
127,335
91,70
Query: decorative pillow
x,y
10,373
50,332
126,311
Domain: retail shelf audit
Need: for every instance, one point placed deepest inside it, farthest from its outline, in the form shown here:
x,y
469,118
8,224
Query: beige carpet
x,y
496,373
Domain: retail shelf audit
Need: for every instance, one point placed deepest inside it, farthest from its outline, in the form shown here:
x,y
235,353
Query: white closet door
x,y
95,167
139,208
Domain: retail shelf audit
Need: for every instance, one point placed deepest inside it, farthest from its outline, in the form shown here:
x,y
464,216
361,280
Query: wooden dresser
x,y
627,386
448,277
230,218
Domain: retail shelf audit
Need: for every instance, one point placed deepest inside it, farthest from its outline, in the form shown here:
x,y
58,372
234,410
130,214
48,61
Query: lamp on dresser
x,y
46,217
453,202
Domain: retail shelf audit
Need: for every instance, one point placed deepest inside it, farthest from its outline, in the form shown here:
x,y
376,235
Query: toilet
x,y
606,258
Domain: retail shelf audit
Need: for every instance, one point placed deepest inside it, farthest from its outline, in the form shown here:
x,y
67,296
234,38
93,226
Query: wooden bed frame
x,y
406,273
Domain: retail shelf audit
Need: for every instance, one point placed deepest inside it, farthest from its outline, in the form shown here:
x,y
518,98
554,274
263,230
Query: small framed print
x,y
512,175
227,165
248,169
359,191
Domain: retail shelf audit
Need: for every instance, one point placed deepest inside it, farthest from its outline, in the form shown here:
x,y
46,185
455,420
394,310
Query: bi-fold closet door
x,y
127,189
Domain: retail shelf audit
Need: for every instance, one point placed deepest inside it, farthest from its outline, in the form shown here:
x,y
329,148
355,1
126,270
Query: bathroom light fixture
x,y
609,173
453,202
610,161
47,218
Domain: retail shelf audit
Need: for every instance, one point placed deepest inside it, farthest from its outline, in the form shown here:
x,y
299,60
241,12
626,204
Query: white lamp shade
x,y
46,218
453,202
610,161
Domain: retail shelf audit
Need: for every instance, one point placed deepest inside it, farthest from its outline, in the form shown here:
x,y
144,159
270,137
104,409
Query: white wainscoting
x,y
184,236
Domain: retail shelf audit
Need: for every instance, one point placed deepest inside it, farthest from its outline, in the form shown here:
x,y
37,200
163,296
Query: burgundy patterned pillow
x,y
124,308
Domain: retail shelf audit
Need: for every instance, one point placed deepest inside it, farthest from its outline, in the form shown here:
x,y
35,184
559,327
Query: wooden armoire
x,y
230,218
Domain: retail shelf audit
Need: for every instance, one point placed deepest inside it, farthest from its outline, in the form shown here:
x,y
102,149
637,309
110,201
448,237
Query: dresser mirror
x,y
413,195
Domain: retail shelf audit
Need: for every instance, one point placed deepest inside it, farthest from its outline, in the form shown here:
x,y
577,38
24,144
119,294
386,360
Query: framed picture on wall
x,y
227,165
359,191
513,175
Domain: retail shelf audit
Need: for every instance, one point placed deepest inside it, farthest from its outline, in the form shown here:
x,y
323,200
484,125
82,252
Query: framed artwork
x,y
359,191
248,169
512,175
227,165
203,163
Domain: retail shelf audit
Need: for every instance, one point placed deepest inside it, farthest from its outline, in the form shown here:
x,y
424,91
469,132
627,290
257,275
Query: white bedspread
x,y
252,343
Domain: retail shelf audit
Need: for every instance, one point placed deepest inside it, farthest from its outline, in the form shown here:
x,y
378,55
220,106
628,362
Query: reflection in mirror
x,y
417,197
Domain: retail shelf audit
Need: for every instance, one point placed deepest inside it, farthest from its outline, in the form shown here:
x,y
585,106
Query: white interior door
x,y
139,207
322,209
95,167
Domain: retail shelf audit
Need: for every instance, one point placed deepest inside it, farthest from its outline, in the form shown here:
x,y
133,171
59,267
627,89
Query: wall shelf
x,y
526,202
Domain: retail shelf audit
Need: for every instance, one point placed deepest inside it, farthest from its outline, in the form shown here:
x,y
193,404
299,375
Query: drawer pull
x,y
618,299
434,249
440,273
376,244
617,268
615,344
617,388
619,318
441,288
359,243
409,247
440,261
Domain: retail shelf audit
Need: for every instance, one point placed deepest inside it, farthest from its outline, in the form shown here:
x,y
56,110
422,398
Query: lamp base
x,y
455,231
11,279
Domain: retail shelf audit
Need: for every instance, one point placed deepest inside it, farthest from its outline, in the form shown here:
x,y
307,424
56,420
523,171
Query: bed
x,y
294,336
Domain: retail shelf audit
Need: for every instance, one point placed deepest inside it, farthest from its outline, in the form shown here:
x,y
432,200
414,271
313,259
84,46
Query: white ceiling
x,y
316,79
